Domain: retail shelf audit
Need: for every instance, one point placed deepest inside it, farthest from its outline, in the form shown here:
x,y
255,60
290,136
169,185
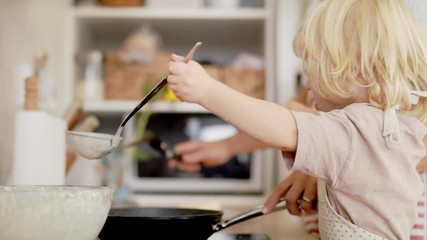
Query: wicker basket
x,y
245,80
131,80
216,72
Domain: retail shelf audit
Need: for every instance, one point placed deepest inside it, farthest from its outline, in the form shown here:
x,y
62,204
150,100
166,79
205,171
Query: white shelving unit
x,y
223,32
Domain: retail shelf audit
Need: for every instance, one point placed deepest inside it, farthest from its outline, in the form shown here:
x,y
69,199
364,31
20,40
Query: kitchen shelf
x,y
125,106
242,30
170,13
179,25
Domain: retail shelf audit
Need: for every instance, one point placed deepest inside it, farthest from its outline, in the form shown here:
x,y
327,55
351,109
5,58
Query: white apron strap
x,y
391,131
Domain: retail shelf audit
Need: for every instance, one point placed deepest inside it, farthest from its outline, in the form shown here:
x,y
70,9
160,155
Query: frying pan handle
x,y
256,212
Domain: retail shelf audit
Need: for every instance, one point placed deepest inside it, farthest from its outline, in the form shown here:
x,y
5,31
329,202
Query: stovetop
x,y
236,236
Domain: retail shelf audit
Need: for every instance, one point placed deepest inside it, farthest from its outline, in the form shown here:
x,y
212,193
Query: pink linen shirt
x,y
373,185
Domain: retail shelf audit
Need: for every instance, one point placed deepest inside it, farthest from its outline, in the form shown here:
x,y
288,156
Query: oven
x,y
145,169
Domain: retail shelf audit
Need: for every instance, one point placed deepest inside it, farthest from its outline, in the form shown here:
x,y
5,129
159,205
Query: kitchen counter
x,y
278,226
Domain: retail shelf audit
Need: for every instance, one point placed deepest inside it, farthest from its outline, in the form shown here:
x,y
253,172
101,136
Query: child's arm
x,y
216,153
266,121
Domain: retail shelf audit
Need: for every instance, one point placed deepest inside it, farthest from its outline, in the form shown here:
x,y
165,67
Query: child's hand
x,y
293,189
188,81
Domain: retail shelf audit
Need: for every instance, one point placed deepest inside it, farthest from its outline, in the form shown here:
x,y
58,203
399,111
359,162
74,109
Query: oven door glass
x,y
148,169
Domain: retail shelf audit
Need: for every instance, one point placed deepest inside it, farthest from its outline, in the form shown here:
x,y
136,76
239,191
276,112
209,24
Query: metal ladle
x,y
93,145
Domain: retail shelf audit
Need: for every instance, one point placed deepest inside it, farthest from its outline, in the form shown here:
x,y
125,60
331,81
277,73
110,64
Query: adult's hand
x,y
300,192
195,153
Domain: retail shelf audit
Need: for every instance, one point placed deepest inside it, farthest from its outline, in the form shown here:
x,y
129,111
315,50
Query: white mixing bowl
x,y
53,212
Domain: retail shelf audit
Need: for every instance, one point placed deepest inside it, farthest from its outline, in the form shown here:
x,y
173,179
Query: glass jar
x,y
90,83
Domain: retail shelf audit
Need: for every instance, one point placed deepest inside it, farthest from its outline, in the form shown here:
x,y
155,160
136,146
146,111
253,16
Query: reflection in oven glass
x,y
175,128
235,236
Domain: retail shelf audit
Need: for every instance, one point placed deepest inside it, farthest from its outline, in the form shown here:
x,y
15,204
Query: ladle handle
x,y
159,86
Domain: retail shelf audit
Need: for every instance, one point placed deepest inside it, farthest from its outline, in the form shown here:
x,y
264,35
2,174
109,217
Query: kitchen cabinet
x,y
224,32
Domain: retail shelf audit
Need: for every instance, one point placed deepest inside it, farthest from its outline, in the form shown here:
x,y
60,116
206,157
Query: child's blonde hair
x,y
373,44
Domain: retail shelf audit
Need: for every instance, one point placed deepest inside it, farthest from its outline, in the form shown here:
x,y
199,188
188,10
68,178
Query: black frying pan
x,y
170,223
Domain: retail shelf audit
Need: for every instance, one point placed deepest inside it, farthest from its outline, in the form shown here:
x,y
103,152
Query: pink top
x,y
374,185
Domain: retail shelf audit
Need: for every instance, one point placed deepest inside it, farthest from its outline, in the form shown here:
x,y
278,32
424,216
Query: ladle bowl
x,y
97,145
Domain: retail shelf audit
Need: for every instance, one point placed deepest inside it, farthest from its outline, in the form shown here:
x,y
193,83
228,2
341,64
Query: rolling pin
x,y
73,115
31,102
